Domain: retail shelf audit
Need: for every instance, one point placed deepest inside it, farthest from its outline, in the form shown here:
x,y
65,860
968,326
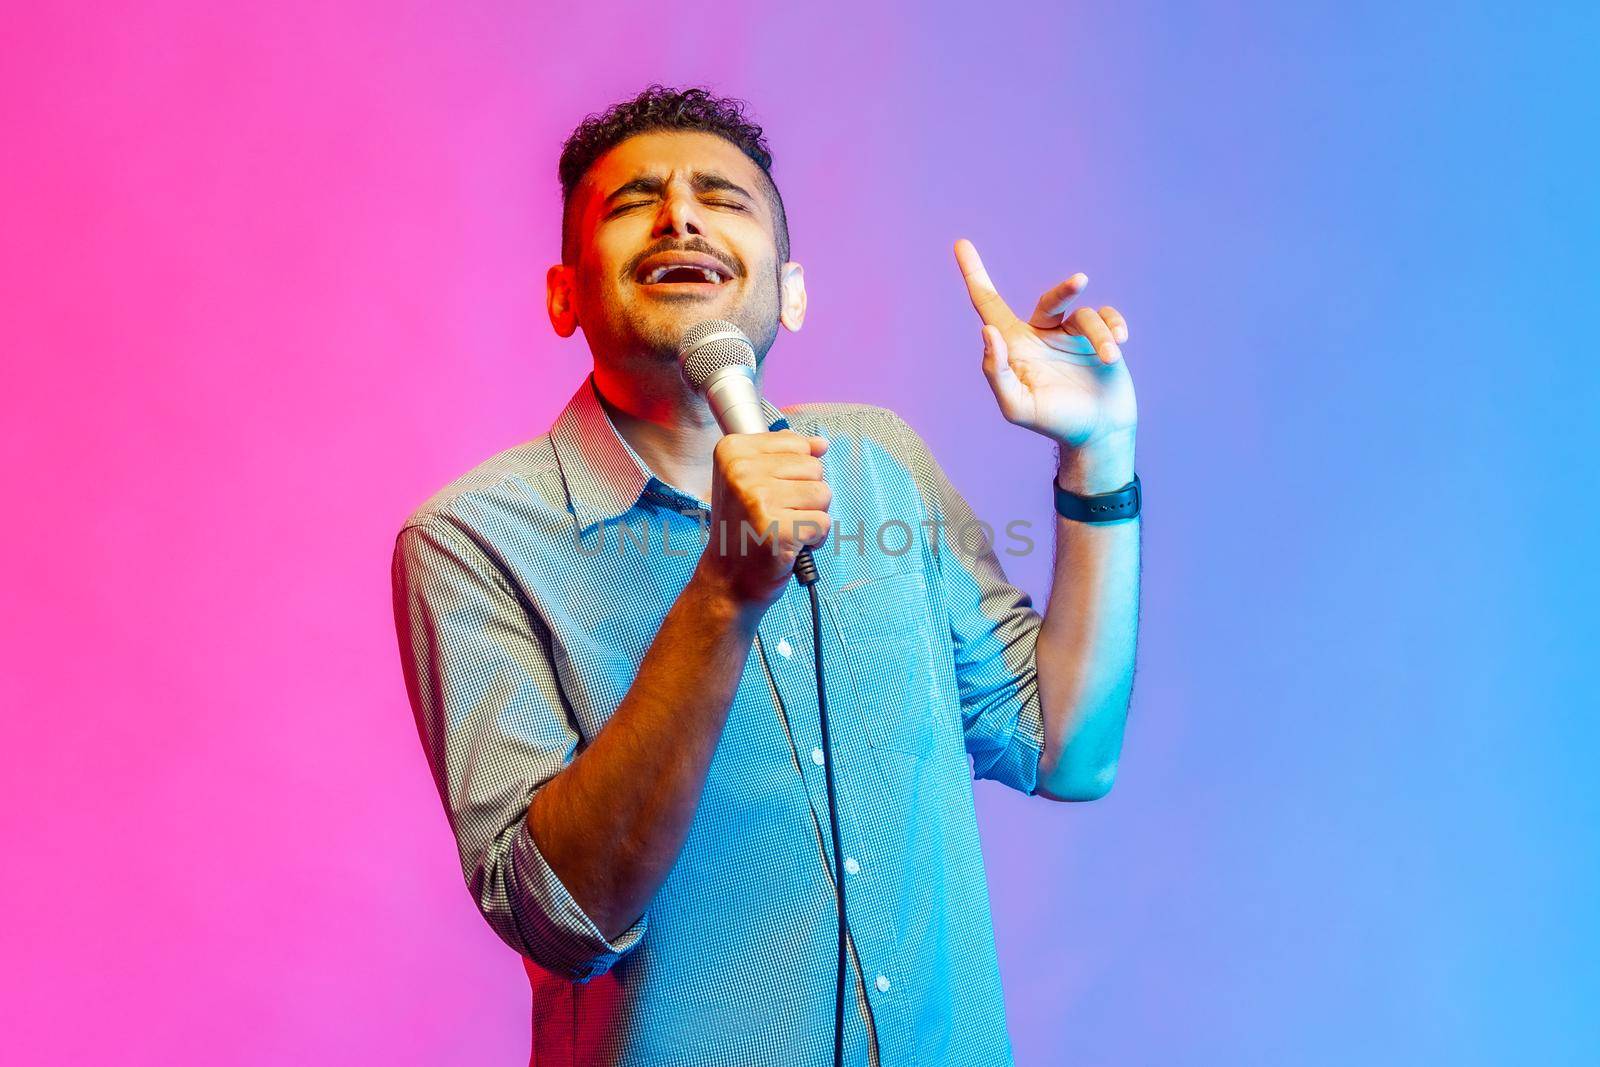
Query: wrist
x,y
719,601
1102,466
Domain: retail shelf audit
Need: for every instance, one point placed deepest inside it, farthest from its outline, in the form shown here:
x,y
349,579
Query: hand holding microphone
x,y
769,499
768,503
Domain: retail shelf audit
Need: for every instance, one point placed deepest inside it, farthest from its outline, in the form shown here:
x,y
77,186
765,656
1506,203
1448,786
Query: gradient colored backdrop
x,y
271,274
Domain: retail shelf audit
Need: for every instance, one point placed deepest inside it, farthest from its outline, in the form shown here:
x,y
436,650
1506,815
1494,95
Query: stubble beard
x,y
657,336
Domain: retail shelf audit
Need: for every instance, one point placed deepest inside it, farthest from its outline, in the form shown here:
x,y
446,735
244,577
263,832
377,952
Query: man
x,y
619,705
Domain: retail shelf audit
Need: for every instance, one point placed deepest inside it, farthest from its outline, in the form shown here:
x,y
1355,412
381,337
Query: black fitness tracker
x,y
1102,507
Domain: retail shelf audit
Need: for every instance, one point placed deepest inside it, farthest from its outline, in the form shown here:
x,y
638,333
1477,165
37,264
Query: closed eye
x,y
623,208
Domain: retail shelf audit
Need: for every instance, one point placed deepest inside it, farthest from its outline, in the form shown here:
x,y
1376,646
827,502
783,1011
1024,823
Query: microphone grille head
x,y
710,346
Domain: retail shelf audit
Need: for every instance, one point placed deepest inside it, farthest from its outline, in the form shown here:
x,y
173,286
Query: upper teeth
x,y
656,275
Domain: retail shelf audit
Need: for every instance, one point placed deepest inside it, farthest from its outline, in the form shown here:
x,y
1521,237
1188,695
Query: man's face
x,y
671,229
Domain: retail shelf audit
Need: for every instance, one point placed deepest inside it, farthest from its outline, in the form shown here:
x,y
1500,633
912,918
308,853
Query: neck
x,y
667,423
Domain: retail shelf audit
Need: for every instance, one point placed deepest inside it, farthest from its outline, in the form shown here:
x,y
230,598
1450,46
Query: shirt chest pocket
x,y
884,623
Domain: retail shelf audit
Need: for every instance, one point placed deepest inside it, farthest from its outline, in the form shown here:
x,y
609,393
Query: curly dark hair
x,y
659,107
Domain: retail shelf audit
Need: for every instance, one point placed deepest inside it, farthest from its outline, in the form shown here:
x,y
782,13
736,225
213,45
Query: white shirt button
x,y
784,648
883,984
851,866
817,757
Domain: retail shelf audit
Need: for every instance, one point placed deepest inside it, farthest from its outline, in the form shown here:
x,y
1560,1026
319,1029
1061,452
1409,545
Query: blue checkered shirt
x,y
526,593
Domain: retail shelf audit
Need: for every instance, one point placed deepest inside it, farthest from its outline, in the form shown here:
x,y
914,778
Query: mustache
x,y
693,244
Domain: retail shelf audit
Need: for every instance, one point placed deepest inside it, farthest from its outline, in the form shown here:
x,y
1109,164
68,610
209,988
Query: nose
x,y
679,214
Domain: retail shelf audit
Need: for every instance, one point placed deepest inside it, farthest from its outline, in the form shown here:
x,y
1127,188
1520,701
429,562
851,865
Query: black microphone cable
x,y
805,569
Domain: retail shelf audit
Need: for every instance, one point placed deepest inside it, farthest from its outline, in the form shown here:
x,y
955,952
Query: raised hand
x,y
1060,372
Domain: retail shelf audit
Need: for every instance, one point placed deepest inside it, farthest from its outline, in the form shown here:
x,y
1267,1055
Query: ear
x,y
792,296
560,288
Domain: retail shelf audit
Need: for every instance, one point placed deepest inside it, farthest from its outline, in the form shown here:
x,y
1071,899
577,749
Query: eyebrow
x,y
702,181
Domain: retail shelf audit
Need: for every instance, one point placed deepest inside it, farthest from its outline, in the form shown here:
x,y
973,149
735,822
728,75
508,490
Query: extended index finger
x,y
990,307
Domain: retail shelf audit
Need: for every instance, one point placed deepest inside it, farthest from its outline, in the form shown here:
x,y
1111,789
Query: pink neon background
x,y
273,273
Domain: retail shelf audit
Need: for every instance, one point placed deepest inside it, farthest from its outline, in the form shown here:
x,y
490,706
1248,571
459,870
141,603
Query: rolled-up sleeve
x,y
495,728
994,629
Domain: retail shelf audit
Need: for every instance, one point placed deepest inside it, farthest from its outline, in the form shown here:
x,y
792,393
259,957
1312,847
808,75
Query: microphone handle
x,y
736,403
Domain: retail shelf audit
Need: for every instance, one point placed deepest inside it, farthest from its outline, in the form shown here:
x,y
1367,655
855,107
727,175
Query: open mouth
x,y
682,275
680,271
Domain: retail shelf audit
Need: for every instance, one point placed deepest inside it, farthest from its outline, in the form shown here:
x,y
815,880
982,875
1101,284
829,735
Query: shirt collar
x,y
604,475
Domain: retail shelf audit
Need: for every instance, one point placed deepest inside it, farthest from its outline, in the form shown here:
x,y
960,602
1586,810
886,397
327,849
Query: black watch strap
x,y
1103,507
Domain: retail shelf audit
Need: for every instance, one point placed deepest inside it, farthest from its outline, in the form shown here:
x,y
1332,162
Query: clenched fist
x,y
768,501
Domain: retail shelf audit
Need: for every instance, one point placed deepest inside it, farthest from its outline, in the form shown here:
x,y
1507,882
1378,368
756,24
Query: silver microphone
x,y
719,362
